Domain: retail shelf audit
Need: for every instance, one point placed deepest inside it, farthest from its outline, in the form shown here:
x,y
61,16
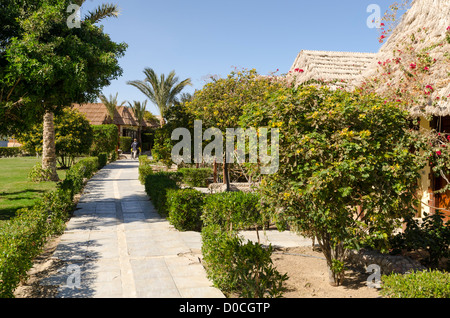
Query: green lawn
x,y
16,190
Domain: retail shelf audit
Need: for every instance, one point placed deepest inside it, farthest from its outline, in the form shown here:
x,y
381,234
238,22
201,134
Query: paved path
x,y
117,245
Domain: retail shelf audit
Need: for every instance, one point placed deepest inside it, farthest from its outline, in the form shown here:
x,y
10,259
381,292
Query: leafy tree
x,y
105,139
162,91
347,175
58,65
221,102
73,137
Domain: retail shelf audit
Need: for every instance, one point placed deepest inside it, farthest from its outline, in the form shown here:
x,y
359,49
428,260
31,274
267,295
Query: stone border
x,y
388,263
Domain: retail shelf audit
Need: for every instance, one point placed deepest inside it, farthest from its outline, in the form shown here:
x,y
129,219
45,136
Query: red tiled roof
x,y
97,114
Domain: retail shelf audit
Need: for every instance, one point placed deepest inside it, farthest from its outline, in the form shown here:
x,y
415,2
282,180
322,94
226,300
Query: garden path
x,y
117,246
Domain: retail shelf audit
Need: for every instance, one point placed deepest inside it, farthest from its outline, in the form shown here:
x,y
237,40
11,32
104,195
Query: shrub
x,y
185,208
144,168
10,151
156,187
22,238
235,267
125,144
195,177
106,139
102,159
431,235
233,210
422,284
84,169
39,174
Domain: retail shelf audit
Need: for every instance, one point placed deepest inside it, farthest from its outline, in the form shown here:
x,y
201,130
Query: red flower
x,y
299,70
426,68
412,66
438,152
448,28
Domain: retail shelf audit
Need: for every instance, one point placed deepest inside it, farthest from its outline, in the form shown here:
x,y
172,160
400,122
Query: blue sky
x,y
198,38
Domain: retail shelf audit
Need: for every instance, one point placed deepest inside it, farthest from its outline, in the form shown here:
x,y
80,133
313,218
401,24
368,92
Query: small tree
x,y
346,173
73,137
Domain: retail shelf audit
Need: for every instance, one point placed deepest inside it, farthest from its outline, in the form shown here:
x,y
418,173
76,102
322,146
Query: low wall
x,y
388,263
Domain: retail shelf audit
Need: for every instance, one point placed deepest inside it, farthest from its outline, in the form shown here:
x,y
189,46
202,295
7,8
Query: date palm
x,y
111,103
162,90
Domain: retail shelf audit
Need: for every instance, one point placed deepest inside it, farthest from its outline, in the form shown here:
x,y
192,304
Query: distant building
x,y
97,114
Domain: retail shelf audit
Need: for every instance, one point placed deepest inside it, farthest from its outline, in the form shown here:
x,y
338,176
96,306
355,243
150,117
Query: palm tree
x,y
139,112
162,91
111,104
49,151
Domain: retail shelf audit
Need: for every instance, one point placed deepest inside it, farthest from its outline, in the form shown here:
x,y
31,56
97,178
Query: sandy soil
x,y
308,276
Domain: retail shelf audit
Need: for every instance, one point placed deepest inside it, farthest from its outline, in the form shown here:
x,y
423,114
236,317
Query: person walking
x,y
134,149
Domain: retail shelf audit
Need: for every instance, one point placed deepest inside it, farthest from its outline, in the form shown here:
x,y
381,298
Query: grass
x,y
16,190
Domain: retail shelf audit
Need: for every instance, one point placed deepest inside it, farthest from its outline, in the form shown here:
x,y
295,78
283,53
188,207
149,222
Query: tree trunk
x,y
226,177
49,150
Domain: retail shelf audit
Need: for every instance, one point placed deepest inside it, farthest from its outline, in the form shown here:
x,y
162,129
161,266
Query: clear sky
x,y
198,38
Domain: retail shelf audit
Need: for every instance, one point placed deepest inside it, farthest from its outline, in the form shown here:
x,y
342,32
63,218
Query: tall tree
x,y
59,65
111,103
139,112
162,91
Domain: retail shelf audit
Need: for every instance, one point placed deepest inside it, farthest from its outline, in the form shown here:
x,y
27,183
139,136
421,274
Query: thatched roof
x,y
349,70
340,68
97,114
434,16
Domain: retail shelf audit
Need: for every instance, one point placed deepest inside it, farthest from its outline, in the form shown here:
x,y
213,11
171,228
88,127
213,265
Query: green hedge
x,y
106,139
185,209
10,151
233,210
196,177
144,168
422,284
102,159
23,237
157,186
245,269
125,144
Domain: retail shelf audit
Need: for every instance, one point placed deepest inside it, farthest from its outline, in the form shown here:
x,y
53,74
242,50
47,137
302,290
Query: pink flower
x,y
438,152
448,29
412,66
299,70
426,68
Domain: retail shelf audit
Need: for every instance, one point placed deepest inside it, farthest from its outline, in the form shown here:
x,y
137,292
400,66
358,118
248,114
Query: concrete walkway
x,y
117,245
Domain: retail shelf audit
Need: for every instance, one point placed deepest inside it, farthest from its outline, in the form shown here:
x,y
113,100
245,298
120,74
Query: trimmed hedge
x,y
233,210
10,152
144,168
102,159
23,237
157,185
185,208
421,284
125,144
196,177
245,269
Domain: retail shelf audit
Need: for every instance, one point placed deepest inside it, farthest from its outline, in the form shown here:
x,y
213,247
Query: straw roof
x,y
97,114
434,16
339,69
349,70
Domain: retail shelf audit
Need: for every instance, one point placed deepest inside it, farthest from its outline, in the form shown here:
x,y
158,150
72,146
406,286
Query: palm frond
x,y
105,10
111,104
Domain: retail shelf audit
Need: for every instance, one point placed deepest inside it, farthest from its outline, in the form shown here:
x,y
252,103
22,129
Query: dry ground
x,y
308,276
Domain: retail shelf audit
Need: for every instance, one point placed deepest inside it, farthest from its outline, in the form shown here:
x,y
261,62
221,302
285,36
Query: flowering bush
x,y
346,172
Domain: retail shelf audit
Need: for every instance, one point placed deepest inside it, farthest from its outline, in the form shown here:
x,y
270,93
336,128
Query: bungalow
x,y
349,69
97,114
